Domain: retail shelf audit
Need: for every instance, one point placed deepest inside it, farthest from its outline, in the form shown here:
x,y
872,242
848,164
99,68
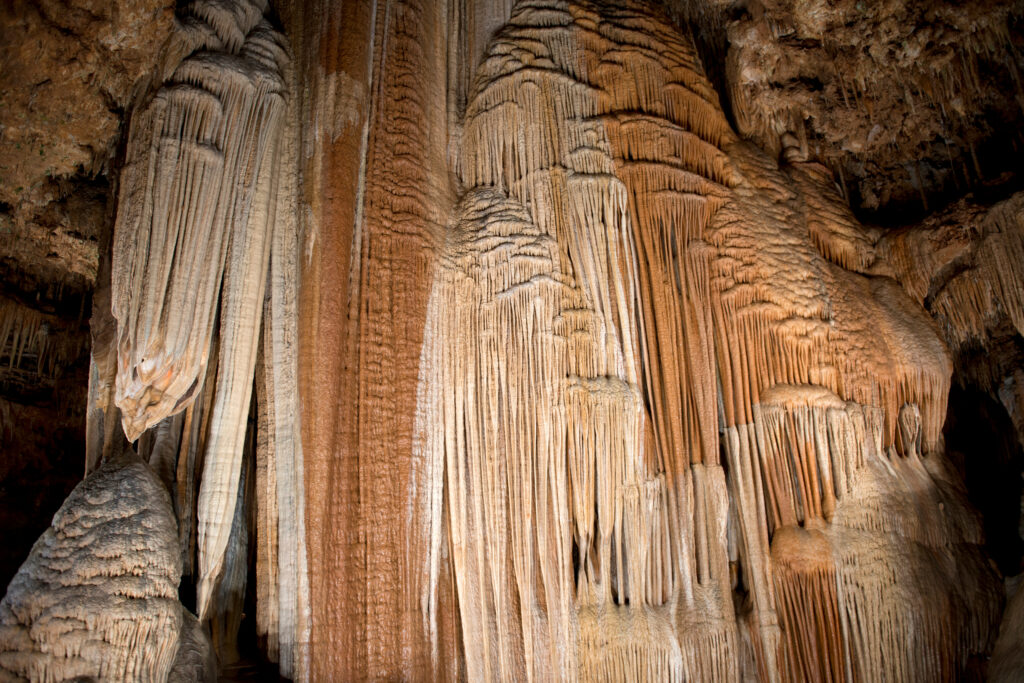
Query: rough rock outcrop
x,y
906,101
68,71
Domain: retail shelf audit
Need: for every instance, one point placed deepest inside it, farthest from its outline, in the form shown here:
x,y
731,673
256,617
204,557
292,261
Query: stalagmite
x,y
98,596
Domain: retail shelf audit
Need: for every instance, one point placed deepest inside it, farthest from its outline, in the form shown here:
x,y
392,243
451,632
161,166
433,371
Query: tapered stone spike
x,y
198,219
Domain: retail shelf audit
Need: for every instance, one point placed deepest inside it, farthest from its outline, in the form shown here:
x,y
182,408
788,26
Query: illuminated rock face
x,y
625,292
509,359
203,298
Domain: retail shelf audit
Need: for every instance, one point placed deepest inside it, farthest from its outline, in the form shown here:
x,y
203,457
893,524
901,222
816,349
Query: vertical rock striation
x,y
622,286
507,359
375,193
204,278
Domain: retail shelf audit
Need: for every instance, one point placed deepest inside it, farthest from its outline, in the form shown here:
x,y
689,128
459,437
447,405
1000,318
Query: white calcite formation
x,y
204,284
591,388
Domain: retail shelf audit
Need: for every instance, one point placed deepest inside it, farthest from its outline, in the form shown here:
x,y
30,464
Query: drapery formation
x,y
626,292
203,292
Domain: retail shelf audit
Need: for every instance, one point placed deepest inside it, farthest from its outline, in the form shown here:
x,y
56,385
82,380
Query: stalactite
x,y
196,221
623,295
228,602
266,516
850,461
501,288
35,342
194,157
809,611
810,324
190,468
241,308
281,534
703,265
965,265
549,254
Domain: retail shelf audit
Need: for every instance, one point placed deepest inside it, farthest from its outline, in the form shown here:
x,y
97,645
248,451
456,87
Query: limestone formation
x,y
194,210
1008,655
198,217
98,595
608,267
902,100
203,282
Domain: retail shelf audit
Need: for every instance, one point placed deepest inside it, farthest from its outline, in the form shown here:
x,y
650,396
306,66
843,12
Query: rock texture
x,y
375,194
608,263
204,263
905,101
98,597
1008,655
201,292
69,71
966,266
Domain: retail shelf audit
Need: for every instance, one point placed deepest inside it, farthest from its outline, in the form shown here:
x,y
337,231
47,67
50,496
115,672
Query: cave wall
x,y
69,72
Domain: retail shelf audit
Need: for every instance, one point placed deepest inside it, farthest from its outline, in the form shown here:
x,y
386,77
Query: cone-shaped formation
x,y
98,595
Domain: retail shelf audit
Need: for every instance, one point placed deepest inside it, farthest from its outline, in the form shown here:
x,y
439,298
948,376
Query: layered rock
x,y
906,102
509,359
203,285
98,595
